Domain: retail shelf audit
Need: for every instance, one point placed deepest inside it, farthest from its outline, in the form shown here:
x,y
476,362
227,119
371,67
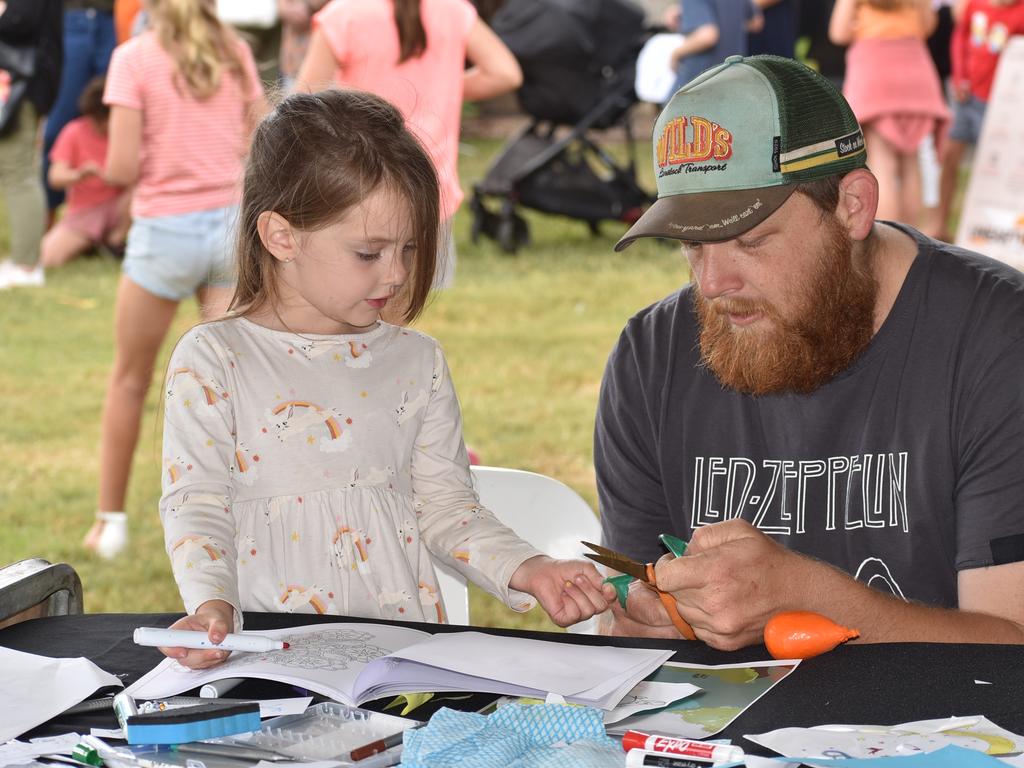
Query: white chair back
x,y
542,510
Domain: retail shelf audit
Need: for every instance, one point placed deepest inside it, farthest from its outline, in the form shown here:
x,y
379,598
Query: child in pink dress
x,y
95,213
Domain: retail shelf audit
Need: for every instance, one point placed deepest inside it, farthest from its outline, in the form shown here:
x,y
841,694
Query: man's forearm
x,y
884,618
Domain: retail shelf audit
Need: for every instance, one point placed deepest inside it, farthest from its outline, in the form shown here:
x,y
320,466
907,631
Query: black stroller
x,y
579,63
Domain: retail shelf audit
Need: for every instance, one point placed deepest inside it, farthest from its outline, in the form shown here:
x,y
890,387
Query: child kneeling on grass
x,y
314,458
96,213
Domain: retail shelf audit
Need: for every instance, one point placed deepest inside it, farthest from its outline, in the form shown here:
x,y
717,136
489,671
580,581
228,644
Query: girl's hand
x,y
569,590
217,619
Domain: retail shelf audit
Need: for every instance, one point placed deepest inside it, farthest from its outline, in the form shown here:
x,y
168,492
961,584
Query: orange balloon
x,y
803,634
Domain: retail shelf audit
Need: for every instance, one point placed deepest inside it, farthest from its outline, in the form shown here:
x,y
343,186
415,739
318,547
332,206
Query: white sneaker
x,y
15,277
113,536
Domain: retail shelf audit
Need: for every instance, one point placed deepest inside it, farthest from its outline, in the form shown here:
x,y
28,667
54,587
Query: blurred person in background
x,y
257,22
184,96
980,35
825,56
777,37
894,89
127,14
296,25
96,213
35,24
89,39
712,30
413,53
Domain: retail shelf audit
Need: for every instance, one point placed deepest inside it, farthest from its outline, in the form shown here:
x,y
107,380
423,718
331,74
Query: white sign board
x,y
992,220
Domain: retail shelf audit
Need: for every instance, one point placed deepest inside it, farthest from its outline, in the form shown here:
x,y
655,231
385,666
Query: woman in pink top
x,y
413,53
894,89
184,97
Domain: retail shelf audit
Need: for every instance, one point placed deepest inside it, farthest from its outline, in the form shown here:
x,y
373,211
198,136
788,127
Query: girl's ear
x,y
277,236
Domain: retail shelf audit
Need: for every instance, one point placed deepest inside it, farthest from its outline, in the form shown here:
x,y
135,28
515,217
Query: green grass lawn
x,y
526,337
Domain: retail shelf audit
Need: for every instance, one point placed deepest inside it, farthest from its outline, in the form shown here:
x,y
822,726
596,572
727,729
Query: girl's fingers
x,y
595,594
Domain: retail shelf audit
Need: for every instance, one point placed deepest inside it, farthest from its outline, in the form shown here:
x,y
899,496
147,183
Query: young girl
x,y
313,453
414,53
96,213
183,97
894,89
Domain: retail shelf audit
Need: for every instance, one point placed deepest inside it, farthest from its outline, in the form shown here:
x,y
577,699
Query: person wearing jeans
x,y
89,39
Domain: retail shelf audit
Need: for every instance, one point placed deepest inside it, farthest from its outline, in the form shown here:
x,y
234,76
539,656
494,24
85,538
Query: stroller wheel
x,y
479,218
595,227
507,234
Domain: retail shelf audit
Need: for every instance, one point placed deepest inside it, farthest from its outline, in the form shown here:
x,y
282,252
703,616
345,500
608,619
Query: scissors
x,y
644,573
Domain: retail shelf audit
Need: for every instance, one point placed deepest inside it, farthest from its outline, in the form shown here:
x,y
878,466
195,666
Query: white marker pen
x,y
184,638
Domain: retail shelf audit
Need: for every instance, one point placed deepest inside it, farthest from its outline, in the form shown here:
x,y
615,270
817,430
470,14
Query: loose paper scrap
x,y
646,696
45,686
872,741
727,690
22,752
950,756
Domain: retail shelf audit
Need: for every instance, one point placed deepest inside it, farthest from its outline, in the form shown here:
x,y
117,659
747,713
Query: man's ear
x,y
858,202
277,236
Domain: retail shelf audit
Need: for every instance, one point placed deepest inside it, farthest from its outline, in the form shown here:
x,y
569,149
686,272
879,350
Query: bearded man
x,y
833,410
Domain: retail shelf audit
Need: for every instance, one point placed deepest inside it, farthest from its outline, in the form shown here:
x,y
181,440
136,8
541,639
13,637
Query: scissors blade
x,y
601,550
620,563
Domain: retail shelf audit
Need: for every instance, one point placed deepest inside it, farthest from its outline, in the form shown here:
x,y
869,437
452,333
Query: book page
x,y
325,658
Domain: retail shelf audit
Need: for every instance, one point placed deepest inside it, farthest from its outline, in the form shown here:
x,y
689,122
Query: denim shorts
x,y
174,256
967,119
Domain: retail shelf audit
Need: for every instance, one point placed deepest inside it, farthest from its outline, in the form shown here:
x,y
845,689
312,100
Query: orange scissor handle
x,y
670,606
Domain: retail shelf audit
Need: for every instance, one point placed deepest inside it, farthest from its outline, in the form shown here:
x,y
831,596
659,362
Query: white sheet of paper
x,y
975,732
648,695
574,671
45,687
21,752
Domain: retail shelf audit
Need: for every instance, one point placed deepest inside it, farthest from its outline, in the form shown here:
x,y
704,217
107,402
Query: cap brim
x,y
707,217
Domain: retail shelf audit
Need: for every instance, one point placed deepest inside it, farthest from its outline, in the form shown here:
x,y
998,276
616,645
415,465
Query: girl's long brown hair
x,y
412,37
202,46
312,159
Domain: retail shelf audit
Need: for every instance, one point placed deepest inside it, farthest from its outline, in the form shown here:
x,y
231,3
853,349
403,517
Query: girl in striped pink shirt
x,y
184,97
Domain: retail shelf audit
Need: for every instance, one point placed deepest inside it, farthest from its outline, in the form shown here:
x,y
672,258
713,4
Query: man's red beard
x,y
833,323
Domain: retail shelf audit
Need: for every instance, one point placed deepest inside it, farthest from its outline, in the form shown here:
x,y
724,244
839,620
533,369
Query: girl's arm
x,y
843,22
61,175
318,66
494,69
124,147
195,508
468,537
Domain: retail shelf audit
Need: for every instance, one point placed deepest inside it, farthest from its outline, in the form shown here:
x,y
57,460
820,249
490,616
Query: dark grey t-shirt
x,y
903,470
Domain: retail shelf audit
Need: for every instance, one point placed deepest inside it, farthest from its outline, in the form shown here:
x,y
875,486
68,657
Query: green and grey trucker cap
x,y
732,144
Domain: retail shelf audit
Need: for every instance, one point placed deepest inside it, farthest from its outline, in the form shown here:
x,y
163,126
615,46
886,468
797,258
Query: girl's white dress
x,y
308,473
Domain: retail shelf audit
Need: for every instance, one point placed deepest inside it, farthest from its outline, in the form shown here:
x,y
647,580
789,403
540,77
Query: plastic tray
x,y
327,731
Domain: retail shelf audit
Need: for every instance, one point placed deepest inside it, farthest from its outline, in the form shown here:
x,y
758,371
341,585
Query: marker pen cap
x,y
218,688
641,758
124,707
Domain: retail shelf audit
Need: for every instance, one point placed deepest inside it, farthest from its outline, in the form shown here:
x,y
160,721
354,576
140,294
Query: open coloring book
x,y
356,663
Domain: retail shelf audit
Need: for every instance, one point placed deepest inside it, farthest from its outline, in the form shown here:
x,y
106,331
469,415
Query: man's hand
x,y
569,590
217,619
732,579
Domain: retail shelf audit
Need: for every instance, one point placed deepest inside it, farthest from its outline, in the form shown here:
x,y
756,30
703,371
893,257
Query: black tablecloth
x,y
878,684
